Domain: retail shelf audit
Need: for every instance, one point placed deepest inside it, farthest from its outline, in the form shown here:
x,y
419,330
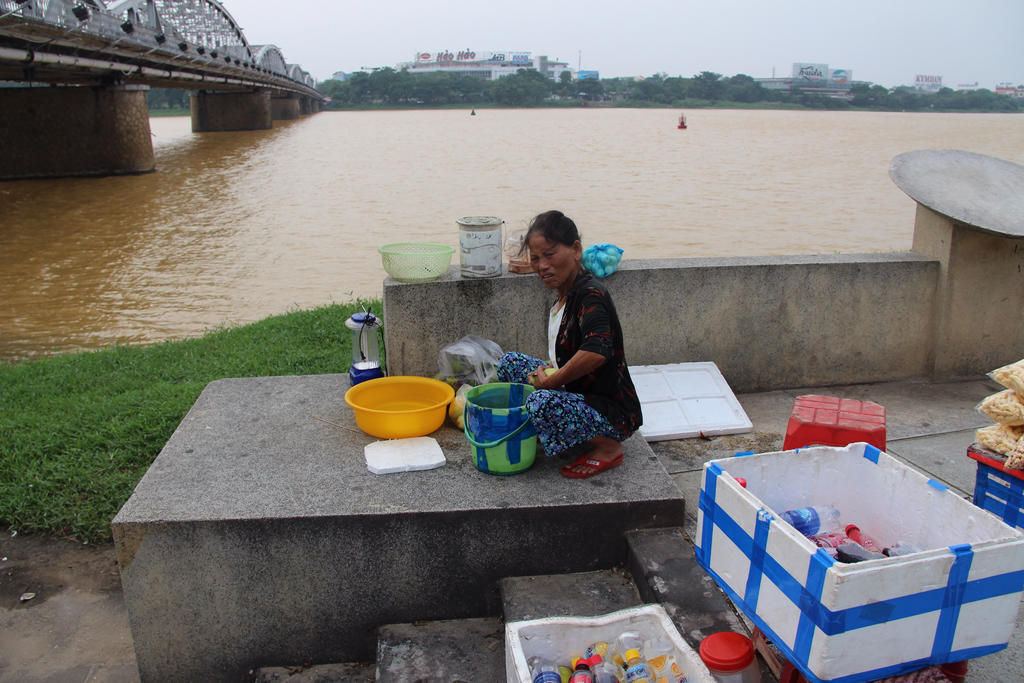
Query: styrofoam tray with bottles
x,y
562,638
954,599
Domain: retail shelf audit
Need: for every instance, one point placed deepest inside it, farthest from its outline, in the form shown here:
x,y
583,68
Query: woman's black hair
x,y
554,226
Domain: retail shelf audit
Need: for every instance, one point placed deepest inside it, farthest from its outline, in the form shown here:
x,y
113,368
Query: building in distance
x,y
486,65
813,78
1010,89
926,83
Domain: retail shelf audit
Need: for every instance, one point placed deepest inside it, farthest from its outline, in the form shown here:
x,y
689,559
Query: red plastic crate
x,y
830,421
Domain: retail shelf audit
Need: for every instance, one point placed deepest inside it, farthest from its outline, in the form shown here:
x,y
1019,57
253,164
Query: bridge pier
x,y
74,131
222,111
286,108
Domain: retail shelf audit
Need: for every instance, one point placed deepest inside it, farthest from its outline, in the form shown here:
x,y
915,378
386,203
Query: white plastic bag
x,y
471,360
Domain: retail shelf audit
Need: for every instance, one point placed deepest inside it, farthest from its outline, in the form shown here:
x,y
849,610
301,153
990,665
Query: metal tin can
x,y
480,246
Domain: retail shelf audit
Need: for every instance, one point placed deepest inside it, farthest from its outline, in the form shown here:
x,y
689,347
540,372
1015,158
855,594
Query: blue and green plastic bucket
x,y
498,428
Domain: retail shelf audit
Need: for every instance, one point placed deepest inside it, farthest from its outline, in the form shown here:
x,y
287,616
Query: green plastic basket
x,y
416,261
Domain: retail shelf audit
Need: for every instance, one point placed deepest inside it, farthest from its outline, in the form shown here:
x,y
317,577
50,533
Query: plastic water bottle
x,y
866,542
814,519
628,640
658,650
629,646
543,671
581,672
637,670
662,660
605,672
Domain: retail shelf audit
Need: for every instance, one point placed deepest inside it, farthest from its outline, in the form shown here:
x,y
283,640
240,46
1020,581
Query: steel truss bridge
x,y
190,44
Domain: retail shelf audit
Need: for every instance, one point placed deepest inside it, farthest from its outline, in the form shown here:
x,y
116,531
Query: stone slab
x,y
665,571
459,650
979,190
258,537
581,594
365,672
942,456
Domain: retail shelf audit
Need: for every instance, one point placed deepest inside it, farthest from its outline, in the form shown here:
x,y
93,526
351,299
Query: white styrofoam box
x,y
403,455
682,400
561,638
955,600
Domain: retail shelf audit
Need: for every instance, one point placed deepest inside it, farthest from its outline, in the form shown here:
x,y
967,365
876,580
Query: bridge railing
x,y
197,33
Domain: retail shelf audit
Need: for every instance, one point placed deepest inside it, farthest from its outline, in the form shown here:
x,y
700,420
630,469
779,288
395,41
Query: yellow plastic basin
x,y
400,407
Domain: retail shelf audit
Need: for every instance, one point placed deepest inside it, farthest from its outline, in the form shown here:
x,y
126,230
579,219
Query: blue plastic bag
x,y
602,259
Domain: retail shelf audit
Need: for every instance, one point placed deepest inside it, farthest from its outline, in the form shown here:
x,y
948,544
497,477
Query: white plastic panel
x,y
682,400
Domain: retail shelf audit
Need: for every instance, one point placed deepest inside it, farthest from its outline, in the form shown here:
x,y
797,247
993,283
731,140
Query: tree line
x,y
529,88
388,87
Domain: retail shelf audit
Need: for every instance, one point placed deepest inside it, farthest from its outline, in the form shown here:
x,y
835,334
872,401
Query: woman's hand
x,y
539,378
582,363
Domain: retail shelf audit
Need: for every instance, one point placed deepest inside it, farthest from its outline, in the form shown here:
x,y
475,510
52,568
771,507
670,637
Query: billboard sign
x,y
467,55
584,75
840,77
928,83
809,74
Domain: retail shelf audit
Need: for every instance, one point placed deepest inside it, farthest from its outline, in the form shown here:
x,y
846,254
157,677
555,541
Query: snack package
x,y
999,438
1015,458
1005,407
1011,376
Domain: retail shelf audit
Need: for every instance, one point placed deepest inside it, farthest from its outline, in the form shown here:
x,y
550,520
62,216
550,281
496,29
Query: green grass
x,y
78,431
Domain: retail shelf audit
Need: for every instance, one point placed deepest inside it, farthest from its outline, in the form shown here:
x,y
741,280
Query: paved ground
x,y
76,629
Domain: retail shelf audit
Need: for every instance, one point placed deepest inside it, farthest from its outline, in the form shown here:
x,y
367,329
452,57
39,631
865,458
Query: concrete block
x,y
665,571
582,594
365,672
467,650
258,536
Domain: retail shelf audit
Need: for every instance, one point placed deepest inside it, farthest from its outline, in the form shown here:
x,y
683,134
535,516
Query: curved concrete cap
x,y
981,191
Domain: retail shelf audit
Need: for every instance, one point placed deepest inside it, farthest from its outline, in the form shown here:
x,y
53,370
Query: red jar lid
x,y
727,651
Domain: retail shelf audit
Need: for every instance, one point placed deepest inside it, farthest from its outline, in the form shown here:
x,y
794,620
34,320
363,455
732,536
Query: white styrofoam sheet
x,y
403,455
682,400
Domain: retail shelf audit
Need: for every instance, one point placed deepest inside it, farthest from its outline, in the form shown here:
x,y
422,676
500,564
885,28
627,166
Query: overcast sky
x,y
887,42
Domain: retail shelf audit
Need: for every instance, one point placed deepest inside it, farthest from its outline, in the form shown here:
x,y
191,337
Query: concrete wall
x,y
285,108
979,306
221,111
74,131
768,323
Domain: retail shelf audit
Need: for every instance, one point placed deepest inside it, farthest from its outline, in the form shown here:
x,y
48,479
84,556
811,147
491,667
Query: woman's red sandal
x,y
593,464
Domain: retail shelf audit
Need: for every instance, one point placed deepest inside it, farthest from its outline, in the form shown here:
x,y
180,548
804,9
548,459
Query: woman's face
x,y
555,263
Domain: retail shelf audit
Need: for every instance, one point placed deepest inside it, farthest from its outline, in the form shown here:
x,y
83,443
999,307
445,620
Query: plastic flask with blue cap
x,y
814,519
365,349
